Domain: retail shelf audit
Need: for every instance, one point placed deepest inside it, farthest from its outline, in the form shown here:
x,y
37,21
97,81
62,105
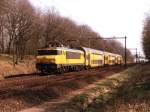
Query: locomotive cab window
x,y
49,52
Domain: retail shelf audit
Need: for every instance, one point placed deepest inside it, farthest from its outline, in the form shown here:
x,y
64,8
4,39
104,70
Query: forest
x,y
24,28
146,37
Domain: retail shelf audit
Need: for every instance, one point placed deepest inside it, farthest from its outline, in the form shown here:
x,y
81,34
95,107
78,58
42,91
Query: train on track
x,y
60,59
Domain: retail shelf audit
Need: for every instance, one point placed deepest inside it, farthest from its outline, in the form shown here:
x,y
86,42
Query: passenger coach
x,y
93,58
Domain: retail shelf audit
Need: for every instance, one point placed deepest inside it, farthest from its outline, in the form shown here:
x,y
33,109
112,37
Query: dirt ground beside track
x,y
31,90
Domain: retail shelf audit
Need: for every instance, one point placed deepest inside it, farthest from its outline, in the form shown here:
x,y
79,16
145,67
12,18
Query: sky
x,y
109,18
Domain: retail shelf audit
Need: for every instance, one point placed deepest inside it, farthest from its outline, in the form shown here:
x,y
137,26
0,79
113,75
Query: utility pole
x,y
136,55
139,57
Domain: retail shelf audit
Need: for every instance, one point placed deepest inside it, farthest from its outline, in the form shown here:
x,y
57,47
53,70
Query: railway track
x,y
32,90
29,82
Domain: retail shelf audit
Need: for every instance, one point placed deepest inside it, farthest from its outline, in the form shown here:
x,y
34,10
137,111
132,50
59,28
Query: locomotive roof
x,y
62,48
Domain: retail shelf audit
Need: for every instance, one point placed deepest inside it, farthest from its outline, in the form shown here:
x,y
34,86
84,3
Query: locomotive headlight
x,y
38,59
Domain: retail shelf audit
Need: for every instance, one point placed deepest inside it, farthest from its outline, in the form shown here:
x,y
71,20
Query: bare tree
x,y
146,38
19,27
37,36
2,33
25,25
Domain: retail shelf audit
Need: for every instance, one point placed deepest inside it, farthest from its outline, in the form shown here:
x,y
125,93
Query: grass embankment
x,y
128,91
25,66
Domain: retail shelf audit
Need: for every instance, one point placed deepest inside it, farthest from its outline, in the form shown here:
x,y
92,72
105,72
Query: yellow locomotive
x,y
61,59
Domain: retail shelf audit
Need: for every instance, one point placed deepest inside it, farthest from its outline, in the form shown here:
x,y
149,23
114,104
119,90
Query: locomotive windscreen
x,y
48,52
